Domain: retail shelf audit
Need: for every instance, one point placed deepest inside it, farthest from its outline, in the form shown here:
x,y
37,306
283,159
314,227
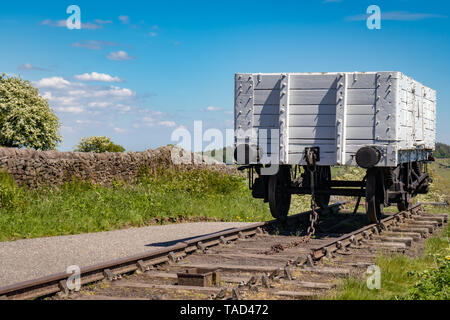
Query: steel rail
x,y
55,283
363,233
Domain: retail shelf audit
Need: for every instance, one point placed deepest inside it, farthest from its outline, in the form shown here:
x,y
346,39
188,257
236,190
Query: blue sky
x,y
140,69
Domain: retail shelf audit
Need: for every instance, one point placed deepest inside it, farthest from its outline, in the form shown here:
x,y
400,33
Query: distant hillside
x,y
442,150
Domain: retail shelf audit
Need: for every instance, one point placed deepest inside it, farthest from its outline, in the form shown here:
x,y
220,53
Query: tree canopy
x,y
26,119
98,145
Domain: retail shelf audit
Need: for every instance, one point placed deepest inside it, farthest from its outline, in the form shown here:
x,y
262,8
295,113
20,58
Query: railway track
x,y
260,261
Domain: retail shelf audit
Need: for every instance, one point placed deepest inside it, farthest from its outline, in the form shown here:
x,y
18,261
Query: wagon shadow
x,y
330,225
174,242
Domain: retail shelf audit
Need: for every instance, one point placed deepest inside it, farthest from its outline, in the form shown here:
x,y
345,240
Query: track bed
x,y
268,261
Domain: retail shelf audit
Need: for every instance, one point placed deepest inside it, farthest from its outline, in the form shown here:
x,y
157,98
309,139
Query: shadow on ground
x,y
174,242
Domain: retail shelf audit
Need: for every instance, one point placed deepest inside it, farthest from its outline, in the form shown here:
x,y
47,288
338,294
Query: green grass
x,y
161,196
404,278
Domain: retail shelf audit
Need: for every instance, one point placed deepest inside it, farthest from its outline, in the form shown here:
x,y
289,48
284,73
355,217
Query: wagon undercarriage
x,y
381,187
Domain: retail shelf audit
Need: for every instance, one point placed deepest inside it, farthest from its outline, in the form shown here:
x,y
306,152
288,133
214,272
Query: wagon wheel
x,y
279,198
373,201
324,175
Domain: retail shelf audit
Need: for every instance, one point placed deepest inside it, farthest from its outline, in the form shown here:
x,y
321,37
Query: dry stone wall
x,y
36,168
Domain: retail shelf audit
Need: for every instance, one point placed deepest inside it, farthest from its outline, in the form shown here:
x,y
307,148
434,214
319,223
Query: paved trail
x,y
34,258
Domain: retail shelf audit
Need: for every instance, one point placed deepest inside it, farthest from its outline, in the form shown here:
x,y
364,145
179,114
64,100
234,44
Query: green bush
x,y
98,145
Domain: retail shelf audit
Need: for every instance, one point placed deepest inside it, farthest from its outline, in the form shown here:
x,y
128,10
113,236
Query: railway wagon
x,y
290,128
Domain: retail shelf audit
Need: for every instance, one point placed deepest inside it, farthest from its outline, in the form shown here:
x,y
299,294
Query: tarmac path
x,y
30,259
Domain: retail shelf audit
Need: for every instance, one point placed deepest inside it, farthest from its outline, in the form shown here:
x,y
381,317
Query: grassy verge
x,y
162,196
405,278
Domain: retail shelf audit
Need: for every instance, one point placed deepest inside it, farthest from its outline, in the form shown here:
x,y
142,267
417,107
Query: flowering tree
x,y
98,145
26,120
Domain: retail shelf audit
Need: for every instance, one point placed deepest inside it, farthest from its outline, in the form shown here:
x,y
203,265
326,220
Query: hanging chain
x,y
311,158
314,215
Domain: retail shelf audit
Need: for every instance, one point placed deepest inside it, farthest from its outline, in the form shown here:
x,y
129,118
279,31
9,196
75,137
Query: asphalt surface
x,y
30,259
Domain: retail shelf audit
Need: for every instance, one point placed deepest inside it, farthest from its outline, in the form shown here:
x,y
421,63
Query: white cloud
x,y
88,106
154,118
91,26
97,104
77,92
28,66
51,23
73,109
95,76
65,101
47,95
121,92
120,56
148,121
169,124
119,130
152,34
398,16
211,108
123,108
54,82
63,24
67,129
93,44
124,19
99,21
67,96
